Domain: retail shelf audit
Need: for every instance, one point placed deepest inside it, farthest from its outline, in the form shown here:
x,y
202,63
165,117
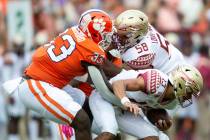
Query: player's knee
x,y
109,124
111,128
151,138
81,121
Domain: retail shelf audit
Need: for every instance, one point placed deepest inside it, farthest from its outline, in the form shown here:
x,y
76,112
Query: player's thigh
x,y
135,126
103,113
77,94
51,102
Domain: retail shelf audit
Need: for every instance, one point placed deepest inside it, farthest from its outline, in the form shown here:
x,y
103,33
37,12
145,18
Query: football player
x,y
142,46
44,86
151,88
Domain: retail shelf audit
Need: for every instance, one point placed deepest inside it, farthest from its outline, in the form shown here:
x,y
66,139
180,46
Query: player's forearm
x,y
119,89
110,69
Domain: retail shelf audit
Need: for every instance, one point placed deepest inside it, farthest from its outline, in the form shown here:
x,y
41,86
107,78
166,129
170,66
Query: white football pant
x,y
52,103
108,119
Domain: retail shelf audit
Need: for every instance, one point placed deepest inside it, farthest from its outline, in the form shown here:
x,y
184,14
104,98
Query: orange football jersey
x,y
87,88
60,61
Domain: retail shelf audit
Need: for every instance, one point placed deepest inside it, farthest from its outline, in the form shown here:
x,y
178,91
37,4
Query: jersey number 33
x,y
65,49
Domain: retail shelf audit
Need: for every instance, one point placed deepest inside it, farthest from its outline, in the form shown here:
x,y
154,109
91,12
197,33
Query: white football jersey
x,y
153,51
156,83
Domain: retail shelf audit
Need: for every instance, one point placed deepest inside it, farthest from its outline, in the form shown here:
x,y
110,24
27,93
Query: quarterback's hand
x,y
132,107
163,125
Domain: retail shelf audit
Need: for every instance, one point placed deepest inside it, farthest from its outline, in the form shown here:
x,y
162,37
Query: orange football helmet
x,y
97,25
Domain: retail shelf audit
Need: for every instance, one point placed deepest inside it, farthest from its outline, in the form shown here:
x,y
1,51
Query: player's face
x,y
186,99
168,95
123,39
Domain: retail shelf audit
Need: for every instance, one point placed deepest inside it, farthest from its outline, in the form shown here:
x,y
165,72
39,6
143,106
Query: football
x,y
154,115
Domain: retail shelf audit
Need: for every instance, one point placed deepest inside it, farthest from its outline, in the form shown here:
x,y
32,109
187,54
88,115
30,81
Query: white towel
x,y
11,85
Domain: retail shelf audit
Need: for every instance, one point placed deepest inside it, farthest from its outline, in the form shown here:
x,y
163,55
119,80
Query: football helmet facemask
x,y
187,82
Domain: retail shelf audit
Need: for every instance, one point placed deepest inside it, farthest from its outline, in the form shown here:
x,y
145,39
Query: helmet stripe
x,y
91,10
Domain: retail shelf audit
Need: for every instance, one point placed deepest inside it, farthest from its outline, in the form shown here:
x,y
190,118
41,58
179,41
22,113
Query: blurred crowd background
x,y
185,23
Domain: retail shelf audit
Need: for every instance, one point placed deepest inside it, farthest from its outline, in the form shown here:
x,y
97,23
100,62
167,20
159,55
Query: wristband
x,y
124,100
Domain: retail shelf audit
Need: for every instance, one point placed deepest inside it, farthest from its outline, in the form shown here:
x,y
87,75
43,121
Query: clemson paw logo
x,y
99,25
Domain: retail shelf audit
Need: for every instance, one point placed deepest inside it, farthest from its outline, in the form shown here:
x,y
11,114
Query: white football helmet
x,y
131,26
187,82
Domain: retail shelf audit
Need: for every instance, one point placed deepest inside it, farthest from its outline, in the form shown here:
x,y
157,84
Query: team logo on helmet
x,y
99,25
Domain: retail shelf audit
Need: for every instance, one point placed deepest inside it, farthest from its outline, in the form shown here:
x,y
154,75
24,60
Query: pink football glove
x,y
67,130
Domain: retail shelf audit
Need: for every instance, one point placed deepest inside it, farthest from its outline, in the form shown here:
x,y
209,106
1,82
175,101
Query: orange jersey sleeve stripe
x,y
53,101
36,95
60,131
